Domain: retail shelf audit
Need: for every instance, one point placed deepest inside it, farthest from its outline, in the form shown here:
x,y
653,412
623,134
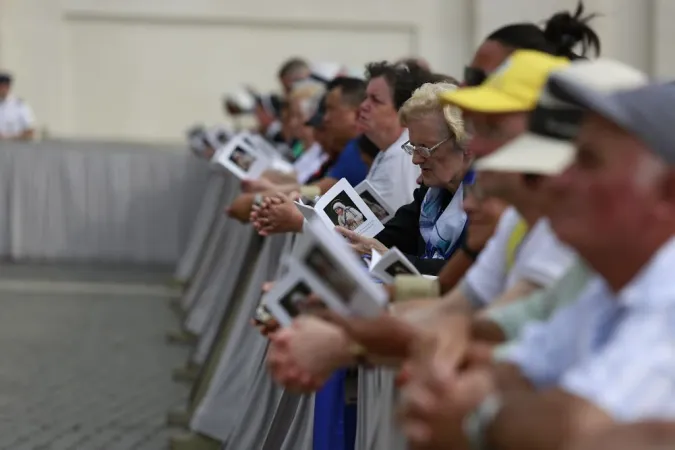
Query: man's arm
x,y
518,291
241,207
543,421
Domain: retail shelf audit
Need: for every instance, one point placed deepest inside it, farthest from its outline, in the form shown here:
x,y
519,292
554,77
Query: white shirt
x,y
393,174
541,258
309,162
15,117
616,350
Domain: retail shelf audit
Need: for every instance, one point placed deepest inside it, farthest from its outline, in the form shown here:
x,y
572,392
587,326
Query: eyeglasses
x,y
474,76
420,149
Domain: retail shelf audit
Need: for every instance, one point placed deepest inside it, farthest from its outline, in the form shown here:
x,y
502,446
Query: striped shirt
x,y
616,350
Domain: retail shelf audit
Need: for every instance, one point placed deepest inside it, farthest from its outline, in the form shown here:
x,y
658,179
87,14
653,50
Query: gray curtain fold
x,y
376,429
243,356
218,193
220,285
222,302
216,244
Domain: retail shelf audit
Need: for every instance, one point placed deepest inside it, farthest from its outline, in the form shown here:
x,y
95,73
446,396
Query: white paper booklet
x,y
306,210
324,265
392,263
261,144
342,206
242,158
375,202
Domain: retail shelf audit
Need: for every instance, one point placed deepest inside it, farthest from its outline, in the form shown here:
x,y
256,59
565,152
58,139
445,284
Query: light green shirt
x,y
540,305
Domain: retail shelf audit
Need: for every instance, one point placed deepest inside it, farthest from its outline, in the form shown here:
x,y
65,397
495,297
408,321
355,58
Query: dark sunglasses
x,y
474,76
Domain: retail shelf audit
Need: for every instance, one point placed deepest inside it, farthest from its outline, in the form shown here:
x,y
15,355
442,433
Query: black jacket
x,y
403,232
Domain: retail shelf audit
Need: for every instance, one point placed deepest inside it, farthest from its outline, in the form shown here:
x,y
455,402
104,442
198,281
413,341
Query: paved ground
x,y
83,363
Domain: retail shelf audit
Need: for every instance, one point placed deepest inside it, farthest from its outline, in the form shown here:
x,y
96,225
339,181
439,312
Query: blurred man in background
x,y
292,71
16,117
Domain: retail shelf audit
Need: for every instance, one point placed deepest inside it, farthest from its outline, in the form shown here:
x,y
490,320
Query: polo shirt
x,y
540,258
614,349
16,117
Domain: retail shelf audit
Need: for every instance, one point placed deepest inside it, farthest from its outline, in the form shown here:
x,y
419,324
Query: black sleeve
x,y
403,230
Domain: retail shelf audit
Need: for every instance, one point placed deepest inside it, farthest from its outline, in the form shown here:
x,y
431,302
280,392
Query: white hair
x,y
426,101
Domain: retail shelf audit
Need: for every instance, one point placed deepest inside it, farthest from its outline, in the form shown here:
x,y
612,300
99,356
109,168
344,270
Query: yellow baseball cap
x,y
513,87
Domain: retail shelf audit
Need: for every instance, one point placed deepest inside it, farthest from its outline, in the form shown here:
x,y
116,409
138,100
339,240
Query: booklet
x,y
278,163
323,264
392,263
306,210
375,202
342,206
243,159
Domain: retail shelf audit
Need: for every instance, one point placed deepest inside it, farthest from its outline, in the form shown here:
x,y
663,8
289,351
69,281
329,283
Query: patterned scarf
x,y
441,229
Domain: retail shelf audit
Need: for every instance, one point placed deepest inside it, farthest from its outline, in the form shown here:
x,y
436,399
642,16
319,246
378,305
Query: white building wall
x,y
148,69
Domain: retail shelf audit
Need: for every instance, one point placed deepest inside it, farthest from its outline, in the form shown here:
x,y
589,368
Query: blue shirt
x,y
349,165
616,350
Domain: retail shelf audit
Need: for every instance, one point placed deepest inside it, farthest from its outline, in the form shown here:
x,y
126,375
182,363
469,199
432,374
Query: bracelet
x,y
472,254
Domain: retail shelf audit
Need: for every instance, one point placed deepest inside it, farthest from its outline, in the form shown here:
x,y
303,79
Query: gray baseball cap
x,y
547,148
647,112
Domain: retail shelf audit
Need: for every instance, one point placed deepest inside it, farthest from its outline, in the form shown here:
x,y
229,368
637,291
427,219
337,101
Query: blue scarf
x,y
441,229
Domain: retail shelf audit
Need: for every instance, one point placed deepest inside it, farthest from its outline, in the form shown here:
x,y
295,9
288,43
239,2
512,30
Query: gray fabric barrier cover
x,y
218,192
275,419
217,414
220,295
376,404
215,245
88,201
222,279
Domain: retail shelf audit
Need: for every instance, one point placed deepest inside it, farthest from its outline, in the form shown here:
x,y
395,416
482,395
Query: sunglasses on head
x,y
474,76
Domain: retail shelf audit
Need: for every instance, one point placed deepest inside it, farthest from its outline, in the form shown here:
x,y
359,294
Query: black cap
x,y
317,118
5,78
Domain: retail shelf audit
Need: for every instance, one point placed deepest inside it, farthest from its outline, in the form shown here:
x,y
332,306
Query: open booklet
x,y
385,267
247,156
374,201
323,264
342,206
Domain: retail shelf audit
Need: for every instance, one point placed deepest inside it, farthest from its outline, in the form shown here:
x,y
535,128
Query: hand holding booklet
x,y
342,206
385,267
323,272
247,156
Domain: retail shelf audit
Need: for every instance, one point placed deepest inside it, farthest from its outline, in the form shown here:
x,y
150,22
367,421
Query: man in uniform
x,y
16,117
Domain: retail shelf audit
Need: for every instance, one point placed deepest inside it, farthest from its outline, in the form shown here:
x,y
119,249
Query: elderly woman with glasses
x,y
432,227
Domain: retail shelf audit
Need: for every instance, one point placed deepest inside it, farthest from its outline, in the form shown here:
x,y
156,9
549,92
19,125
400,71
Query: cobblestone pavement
x,y
83,369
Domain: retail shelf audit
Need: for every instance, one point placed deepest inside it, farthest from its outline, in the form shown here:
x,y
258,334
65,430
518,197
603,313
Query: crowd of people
x,y
536,197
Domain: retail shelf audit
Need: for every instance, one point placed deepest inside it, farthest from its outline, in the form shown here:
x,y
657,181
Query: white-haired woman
x,y
431,228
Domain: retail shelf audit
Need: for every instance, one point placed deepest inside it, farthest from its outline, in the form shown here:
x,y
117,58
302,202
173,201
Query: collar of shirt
x,y
389,152
653,285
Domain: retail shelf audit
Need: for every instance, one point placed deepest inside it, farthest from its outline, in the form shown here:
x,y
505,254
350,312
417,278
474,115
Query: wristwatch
x,y
359,354
475,424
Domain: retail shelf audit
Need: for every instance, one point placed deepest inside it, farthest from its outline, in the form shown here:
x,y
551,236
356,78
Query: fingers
x,y
353,237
